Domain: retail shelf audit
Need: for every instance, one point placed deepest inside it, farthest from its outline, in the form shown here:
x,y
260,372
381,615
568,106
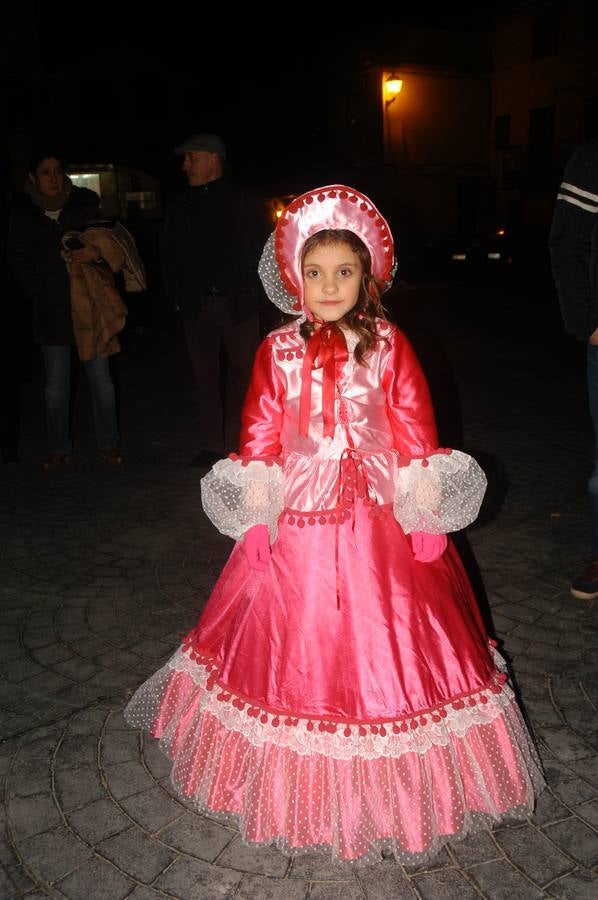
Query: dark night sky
x,y
266,89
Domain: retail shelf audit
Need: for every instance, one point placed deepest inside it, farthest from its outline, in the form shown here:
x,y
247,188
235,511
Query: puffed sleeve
x,y
409,405
247,489
261,419
438,490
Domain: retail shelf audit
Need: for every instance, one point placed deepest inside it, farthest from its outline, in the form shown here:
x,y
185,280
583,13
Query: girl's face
x,y
332,276
49,177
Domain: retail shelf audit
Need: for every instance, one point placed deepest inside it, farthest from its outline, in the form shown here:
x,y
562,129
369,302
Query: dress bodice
x,y
382,410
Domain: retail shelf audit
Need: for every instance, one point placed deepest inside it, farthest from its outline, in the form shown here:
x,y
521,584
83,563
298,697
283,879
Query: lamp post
x,y
392,86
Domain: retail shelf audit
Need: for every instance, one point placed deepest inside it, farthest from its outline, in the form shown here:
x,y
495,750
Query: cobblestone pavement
x,y
103,569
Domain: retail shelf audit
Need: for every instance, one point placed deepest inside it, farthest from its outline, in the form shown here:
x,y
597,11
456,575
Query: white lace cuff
x,y
237,494
440,493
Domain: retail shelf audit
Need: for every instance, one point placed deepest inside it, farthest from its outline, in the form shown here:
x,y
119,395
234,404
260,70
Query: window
x,y
590,117
541,138
502,132
90,180
545,36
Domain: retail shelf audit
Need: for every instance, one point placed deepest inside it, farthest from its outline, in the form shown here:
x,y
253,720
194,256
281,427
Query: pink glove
x,y
256,544
427,547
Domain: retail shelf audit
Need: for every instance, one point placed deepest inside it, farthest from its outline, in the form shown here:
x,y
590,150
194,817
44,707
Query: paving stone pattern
x,y
103,569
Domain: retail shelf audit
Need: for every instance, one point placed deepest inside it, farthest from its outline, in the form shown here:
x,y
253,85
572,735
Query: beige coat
x,y
97,308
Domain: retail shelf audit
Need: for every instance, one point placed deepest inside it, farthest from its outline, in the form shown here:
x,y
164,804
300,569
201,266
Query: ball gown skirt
x,y
347,699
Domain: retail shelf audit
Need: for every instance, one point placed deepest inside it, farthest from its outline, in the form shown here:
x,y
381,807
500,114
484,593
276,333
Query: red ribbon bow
x,y
327,345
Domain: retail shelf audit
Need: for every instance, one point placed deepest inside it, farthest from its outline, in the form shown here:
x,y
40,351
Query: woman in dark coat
x,y
49,207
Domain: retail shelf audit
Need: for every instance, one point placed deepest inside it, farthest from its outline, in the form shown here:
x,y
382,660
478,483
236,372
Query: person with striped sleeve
x,y
574,256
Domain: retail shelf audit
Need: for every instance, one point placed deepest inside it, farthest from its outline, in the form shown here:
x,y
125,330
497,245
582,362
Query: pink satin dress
x,y
348,698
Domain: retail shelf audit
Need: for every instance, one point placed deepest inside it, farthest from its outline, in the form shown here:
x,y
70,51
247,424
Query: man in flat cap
x,y
211,244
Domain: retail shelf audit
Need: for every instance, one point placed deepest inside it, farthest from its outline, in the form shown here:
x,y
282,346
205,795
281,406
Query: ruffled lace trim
x,y
382,849
238,493
334,738
270,275
439,493
282,785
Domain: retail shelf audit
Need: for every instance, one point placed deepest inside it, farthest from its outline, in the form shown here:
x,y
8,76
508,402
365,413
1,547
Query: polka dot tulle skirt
x,y
356,708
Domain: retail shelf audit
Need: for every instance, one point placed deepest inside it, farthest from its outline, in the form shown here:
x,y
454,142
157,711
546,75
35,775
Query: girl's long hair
x,y
362,318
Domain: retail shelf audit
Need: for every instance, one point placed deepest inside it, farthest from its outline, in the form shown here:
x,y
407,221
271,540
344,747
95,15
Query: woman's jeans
x,y
57,360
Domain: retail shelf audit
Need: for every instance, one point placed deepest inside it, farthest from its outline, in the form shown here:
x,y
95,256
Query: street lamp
x,y
392,88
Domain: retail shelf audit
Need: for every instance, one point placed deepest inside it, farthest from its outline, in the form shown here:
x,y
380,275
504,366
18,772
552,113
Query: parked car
x,y
503,253
517,252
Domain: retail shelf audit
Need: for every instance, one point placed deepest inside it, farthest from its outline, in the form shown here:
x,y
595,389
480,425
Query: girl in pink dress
x,y
339,691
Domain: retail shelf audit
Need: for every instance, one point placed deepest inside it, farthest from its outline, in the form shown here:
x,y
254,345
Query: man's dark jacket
x,y
212,239
33,253
574,242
